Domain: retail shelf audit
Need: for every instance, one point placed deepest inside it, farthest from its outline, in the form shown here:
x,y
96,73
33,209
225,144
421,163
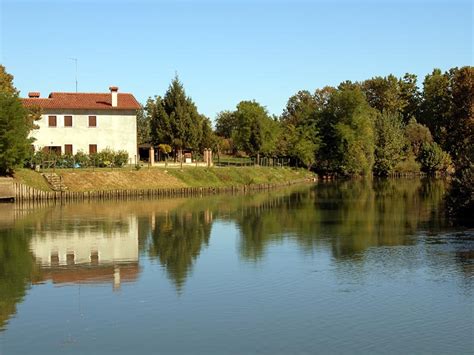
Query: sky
x,y
228,51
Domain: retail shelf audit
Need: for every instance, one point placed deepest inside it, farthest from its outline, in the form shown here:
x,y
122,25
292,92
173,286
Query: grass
x,y
228,176
31,178
156,178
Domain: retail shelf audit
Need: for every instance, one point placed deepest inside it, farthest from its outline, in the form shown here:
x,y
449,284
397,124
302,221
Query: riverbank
x,y
158,180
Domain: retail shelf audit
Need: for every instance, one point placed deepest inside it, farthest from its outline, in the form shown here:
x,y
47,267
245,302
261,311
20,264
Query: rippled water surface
x,y
364,267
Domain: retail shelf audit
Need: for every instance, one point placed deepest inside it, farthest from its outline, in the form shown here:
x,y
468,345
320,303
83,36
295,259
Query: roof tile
x,y
96,101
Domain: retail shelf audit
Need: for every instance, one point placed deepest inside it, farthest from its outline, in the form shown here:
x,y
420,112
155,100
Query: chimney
x,y
33,94
114,93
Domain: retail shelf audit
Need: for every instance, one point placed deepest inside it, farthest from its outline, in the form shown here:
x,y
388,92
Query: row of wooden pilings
x,y
27,193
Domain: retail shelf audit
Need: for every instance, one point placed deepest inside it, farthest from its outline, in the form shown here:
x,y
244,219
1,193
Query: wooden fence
x,y
27,193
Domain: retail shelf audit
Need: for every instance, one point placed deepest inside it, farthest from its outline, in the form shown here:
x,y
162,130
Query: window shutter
x,y
92,121
52,121
67,121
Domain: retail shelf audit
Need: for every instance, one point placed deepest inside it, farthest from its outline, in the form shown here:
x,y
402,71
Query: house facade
x,y
87,122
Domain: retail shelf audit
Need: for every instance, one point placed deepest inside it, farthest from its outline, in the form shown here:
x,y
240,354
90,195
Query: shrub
x,y
120,158
433,159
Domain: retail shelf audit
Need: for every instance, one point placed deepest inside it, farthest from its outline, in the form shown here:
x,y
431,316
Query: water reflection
x,y
102,243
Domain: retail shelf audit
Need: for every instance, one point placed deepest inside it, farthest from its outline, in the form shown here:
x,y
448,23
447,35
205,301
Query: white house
x,y
87,122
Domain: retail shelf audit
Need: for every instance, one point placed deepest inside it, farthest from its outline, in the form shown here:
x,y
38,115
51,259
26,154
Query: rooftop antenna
x,y
75,60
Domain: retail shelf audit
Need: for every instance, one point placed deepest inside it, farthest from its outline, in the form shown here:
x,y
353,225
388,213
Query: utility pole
x,y
75,60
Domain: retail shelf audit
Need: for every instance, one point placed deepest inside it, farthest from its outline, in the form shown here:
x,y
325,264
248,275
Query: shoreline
x,y
183,183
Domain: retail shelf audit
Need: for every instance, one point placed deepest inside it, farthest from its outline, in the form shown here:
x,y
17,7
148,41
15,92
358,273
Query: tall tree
x,y
410,95
348,137
436,105
143,126
390,143
384,94
254,133
174,119
15,125
225,124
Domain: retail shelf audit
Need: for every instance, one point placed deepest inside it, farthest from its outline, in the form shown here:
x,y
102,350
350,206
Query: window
x,y
68,149
67,121
92,148
52,121
92,121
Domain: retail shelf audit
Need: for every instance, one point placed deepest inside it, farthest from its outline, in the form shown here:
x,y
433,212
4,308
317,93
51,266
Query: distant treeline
x,y
380,126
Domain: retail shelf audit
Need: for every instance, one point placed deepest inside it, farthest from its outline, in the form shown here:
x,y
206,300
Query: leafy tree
x,y
460,142
436,104
15,124
209,138
411,96
174,119
390,143
255,131
143,126
384,94
299,109
6,82
225,124
417,134
460,126
348,137
433,159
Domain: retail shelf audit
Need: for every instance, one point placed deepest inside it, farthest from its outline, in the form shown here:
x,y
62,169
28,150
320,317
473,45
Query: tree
x,y
143,126
299,108
225,124
417,134
15,125
433,159
256,131
384,94
410,95
6,82
174,119
460,142
390,143
436,104
460,126
347,131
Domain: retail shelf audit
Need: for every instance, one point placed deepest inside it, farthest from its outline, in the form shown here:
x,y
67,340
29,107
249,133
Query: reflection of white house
x,y
87,254
87,122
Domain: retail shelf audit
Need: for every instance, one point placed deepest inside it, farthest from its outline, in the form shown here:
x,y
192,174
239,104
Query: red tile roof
x,y
67,100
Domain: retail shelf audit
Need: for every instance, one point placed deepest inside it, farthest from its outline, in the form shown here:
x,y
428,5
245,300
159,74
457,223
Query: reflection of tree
x,y
350,216
177,239
17,270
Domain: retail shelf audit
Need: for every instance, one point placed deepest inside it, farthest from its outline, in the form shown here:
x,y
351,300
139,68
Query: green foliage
x,y
143,127
348,137
408,165
6,82
174,119
14,129
436,105
256,132
417,135
225,124
165,148
433,159
104,158
390,143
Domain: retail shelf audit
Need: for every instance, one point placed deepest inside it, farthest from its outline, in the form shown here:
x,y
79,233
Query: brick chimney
x,y
33,95
114,93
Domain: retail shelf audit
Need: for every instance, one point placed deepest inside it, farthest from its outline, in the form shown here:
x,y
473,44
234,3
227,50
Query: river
x,y
354,266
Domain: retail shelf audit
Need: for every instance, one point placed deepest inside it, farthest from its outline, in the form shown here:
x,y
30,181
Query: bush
x,y
120,158
105,158
409,165
433,159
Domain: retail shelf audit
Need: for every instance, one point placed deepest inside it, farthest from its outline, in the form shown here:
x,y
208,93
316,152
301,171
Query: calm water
x,y
340,267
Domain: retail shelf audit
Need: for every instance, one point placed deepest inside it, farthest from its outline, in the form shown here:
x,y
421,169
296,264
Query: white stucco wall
x,y
116,130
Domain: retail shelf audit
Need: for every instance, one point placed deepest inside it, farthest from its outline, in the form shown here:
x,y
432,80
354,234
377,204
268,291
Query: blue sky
x,y
228,51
